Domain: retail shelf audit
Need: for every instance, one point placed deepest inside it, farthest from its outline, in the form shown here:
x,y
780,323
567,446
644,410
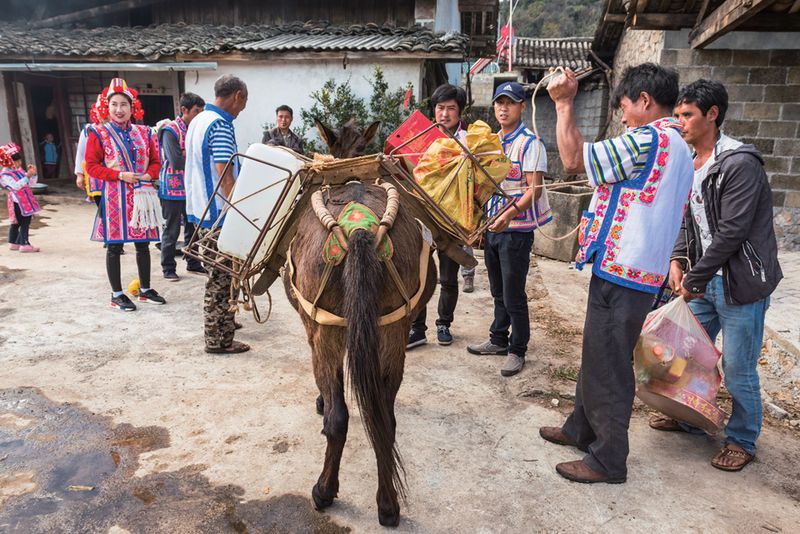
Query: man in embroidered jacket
x,y
642,180
171,189
210,143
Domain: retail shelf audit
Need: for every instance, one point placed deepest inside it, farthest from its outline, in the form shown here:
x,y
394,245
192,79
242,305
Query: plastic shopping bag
x,y
672,344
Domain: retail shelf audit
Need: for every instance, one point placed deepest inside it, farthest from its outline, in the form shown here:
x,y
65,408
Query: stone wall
x,y
634,48
764,109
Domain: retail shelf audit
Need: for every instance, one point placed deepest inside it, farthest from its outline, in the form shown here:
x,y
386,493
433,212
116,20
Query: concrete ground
x,y
121,423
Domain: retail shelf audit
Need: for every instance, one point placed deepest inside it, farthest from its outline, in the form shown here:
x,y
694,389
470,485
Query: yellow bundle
x,y
454,182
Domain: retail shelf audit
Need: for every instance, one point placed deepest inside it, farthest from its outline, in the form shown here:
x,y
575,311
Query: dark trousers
x,y
142,263
605,389
508,258
448,296
50,170
18,232
174,212
219,324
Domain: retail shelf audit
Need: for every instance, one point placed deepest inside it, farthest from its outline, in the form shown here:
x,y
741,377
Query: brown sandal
x,y
741,457
665,424
235,348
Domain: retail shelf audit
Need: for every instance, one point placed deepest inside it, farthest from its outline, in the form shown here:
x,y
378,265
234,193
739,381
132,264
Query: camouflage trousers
x,y
219,321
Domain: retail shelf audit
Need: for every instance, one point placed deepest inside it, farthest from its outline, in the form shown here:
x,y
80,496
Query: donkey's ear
x,y
371,131
327,135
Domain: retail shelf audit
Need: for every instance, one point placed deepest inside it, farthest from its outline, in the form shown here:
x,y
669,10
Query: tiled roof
x,y
570,52
154,42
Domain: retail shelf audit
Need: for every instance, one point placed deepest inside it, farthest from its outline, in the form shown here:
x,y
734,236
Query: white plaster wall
x,y
5,128
276,82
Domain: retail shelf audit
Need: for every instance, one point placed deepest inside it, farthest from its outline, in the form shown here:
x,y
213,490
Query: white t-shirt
x,y
530,163
81,152
724,143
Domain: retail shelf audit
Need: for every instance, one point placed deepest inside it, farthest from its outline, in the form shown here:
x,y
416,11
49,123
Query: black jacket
x,y
274,137
738,203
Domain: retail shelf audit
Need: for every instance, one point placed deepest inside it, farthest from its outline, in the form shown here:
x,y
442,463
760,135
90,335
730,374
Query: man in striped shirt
x,y
210,144
642,180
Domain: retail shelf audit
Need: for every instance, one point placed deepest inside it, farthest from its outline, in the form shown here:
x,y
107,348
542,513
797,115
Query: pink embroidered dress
x,y
112,149
19,192
642,180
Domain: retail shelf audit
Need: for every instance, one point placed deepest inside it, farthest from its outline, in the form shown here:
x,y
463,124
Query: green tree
x,y
554,18
335,104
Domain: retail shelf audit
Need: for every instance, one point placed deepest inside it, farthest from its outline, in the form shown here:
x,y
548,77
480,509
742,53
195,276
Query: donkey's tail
x,y
363,281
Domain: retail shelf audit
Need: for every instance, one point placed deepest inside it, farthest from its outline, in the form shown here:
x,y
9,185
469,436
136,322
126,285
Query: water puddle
x,y
65,469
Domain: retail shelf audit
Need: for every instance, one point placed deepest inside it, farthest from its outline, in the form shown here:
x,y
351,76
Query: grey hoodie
x,y
738,203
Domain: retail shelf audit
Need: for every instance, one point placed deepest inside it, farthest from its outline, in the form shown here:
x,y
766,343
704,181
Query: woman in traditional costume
x,y
124,156
21,203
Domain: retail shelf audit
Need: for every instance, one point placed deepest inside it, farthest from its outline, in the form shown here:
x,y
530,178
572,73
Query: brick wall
x,y
764,109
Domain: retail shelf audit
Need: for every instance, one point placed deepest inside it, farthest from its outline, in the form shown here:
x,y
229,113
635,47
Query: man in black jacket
x,y
281,135
725,260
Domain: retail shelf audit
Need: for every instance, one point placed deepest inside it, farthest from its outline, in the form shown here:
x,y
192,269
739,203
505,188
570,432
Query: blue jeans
x,y
742,334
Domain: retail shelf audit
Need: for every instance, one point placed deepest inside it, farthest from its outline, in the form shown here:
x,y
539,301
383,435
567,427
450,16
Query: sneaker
x,y
487,348
28,248
512,365
416,338
151,296
171,276
443,335
197,269
469,284
13,246
123,303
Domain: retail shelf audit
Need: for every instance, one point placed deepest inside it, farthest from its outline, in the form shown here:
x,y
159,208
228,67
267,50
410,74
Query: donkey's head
x,y
348,141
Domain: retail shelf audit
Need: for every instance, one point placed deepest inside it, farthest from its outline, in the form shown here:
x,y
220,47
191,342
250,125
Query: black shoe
x,y
197,269
443,335
171,276
151,297
416,338
123,303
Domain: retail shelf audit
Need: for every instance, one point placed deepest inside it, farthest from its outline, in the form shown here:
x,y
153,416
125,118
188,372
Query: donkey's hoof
x,y
320,502
389,518
320,405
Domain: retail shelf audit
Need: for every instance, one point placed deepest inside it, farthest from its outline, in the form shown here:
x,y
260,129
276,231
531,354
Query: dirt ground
x,y
117,423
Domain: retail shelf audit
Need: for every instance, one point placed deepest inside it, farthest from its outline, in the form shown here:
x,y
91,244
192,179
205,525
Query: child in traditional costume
x,y
124,156
21,203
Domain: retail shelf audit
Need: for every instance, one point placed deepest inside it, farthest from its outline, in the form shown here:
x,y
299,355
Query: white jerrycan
x,y
256,203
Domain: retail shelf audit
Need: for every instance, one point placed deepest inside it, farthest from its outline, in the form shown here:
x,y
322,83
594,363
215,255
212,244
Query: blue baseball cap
x,y
512,90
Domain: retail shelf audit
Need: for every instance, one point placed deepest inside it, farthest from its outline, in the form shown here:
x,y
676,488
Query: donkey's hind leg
x,y
392,363
328,355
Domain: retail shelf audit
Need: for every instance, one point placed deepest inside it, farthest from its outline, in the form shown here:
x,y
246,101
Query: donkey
x,y
359,290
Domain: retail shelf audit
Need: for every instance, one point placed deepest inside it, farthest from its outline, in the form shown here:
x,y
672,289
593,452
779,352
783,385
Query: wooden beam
x,y
615,17
83,14
724,19
702,13
772,22
662,21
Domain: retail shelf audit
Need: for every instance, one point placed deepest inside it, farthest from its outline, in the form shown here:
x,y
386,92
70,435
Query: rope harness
x,y
358,217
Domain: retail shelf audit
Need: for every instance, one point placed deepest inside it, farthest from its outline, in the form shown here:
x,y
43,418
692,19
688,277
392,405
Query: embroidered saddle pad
x,y
355,216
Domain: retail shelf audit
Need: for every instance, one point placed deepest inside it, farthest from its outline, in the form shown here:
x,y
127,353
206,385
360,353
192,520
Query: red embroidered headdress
x,y
6,151
99,111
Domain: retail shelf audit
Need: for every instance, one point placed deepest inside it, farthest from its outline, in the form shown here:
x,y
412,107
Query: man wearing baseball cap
x,y
510,238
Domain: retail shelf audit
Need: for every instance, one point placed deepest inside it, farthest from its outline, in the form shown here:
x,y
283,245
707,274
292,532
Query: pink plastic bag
x,y
676,367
